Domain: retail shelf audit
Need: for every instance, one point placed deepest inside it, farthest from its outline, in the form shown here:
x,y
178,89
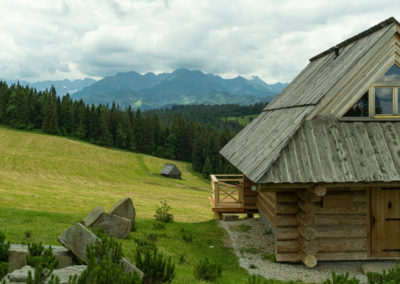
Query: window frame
x,y
395,98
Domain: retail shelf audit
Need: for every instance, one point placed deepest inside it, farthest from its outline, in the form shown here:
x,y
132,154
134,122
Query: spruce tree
x,y
50,120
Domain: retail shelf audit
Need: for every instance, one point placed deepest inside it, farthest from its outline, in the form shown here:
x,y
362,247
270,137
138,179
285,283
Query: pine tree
x,y
50,120
207,168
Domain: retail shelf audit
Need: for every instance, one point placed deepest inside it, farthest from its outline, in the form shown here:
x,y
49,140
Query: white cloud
x,y
46,39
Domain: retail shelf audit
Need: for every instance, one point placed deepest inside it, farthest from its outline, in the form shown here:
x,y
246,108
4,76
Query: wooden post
x,y
307,219
217,216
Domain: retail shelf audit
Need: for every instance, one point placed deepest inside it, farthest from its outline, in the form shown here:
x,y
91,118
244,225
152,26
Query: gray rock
x,y
125,209
130,268
112,225
20,275
93,216
17,256
64,273
76,238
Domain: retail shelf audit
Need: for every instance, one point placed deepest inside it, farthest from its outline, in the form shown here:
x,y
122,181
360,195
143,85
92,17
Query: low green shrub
x,y
158,226
391,276
187,236
44,262
103,264
207,270
157,267
4,246
162,213
341,279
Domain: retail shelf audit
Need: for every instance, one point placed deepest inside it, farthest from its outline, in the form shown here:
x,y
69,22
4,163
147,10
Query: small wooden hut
x,y
324,156
172,171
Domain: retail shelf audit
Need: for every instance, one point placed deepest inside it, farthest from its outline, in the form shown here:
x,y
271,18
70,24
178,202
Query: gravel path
x,y
253,243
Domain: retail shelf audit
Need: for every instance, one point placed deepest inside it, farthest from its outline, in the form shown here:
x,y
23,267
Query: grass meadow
x,y
48,183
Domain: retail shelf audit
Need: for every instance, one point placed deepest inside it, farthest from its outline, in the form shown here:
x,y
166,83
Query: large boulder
x,y
17,256
93,216
20,275
77,237
125,209
112,225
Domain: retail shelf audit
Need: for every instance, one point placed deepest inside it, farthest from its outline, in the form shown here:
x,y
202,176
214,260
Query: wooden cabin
x,y
171,171
324,156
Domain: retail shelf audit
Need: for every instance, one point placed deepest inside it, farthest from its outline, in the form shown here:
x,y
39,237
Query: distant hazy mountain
x,y
62,86
182,86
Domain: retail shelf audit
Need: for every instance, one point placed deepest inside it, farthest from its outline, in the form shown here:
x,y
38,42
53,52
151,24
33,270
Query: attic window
x,y
382,100
387,93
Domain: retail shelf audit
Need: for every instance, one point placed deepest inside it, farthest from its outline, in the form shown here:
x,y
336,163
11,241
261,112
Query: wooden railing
x,y
227,190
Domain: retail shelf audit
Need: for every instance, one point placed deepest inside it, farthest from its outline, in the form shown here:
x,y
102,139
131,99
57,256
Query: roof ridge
x,y
365,33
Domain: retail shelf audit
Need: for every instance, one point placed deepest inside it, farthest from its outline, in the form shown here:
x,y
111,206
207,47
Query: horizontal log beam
x,y
286,208
327,220
287,257
287,245
286,220
342,245
286,233
334,256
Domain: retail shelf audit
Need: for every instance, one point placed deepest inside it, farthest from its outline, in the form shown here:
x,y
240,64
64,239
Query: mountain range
x,y
182,86
62,86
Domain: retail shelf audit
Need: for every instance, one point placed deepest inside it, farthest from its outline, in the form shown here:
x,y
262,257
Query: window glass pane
x,y
360,108
383,100
392,75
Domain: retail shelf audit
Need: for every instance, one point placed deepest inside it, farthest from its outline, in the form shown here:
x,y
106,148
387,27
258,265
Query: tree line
x,y
174,136
211,114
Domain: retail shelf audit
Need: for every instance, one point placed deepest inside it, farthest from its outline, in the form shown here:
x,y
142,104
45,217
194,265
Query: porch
x,y
229,195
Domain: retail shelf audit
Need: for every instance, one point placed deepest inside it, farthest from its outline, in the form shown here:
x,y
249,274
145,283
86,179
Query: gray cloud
x,y
45,39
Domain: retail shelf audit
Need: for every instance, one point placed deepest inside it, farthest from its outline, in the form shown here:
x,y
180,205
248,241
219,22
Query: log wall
x,y
309,228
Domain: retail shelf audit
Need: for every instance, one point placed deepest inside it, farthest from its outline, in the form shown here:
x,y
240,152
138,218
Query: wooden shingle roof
x,y
255,149
327,150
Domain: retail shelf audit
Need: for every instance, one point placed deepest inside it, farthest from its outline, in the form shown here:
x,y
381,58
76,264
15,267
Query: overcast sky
x,y
57,39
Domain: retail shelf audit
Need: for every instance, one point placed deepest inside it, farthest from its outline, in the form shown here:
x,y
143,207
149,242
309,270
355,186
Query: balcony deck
x,y
227,195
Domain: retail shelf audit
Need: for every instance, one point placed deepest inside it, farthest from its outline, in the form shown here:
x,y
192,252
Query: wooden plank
x,y
287,246
267,214
337,201
357,208
286,208
333,219
287,257
286,220
341,231
286,197
342,245
286,233
335,256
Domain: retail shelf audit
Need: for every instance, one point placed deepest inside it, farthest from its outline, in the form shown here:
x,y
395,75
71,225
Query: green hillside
x,y
47,183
